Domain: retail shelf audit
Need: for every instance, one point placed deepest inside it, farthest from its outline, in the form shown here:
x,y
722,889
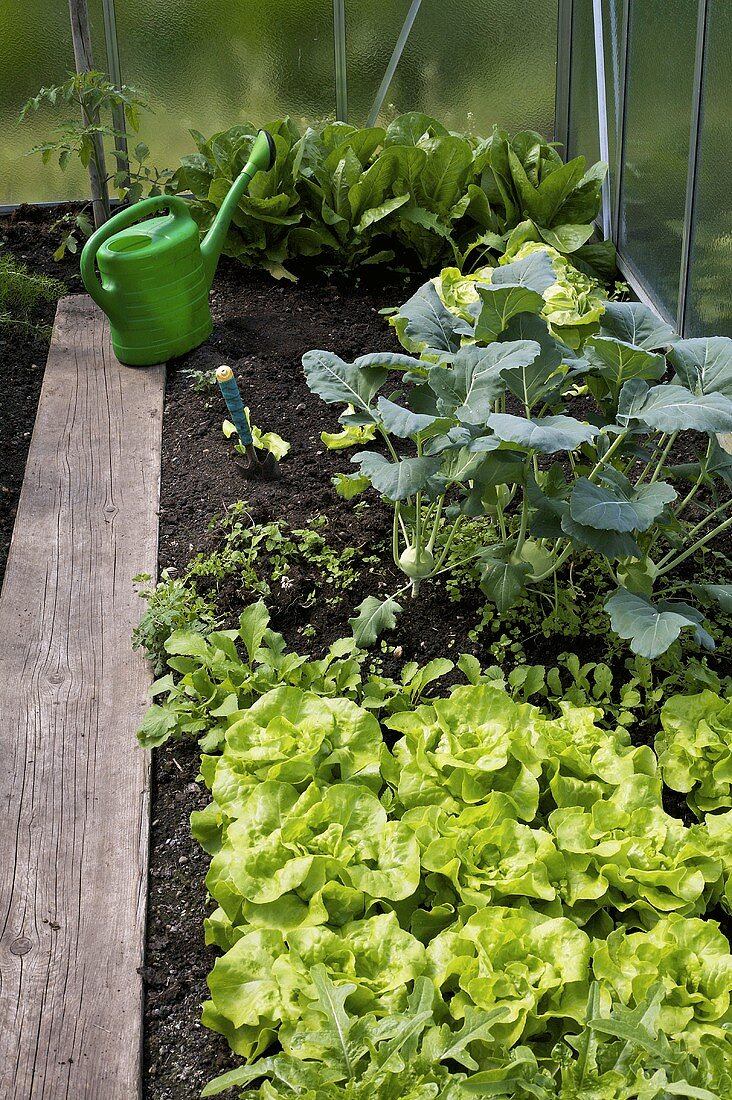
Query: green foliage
x,y
255,556
351,195
413,917
694,749
22,292
488,415
82,137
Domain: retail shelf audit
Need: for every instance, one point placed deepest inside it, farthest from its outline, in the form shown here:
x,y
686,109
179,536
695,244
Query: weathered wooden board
x,y
74,786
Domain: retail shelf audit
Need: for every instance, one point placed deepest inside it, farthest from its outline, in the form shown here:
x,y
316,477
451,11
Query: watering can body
x,y
155,275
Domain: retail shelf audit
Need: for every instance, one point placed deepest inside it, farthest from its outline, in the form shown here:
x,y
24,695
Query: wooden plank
x,y
74,789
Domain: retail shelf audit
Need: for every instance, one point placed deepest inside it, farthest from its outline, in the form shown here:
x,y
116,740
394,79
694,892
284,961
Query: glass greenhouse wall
x,y
209,64
666,68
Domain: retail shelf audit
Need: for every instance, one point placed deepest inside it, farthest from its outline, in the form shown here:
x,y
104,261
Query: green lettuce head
x,y
573,305
691,958
327,852
535,967
262,986
694,749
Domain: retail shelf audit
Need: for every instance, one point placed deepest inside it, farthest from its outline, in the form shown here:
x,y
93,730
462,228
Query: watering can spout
x,y
261,159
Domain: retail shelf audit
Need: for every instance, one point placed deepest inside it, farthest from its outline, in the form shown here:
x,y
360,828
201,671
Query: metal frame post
x,y
393,62
695,133
562,92
607,221
114,70
341,60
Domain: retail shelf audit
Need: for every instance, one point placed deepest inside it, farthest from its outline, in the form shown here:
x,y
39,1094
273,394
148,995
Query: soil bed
x,y
262,329
28,235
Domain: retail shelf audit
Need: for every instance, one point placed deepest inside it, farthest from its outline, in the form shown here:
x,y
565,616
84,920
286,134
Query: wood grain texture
x,y
74,786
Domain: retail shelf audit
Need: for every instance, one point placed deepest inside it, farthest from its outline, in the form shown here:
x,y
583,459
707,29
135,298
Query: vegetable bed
x,y
312,558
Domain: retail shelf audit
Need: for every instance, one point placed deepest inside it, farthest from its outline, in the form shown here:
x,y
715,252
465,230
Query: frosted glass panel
x,y
583,125
709,307
657,127
470,63
35,50
208,64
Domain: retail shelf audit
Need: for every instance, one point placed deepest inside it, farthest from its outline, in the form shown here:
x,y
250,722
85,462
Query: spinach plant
x,y
565,449
353,195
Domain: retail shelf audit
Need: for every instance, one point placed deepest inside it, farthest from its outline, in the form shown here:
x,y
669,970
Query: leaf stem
x,y
694,547
664,455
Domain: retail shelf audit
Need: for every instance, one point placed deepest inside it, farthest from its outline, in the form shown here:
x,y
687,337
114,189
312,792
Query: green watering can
x,y
156,276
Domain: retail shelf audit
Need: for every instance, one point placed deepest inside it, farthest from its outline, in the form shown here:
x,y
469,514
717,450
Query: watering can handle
x,y
123,220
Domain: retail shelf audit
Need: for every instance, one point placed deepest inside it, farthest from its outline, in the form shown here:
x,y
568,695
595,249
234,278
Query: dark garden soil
x,y
262,328
27,234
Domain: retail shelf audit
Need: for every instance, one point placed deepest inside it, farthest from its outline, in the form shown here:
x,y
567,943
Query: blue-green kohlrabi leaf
x,y
704,365
476,378
652,628
337,381
501,303
671,408
397,480
619,507
400,421
374,617
618,362
634,323
423,322
535,272
546,435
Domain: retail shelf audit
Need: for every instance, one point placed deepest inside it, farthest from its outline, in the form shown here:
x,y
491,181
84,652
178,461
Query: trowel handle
x,y
232,397
127,217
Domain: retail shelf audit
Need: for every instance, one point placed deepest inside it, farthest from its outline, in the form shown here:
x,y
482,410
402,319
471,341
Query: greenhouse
x,y
365,528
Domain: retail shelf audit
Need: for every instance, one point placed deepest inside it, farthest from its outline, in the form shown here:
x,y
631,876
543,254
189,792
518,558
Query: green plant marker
x,y
156,275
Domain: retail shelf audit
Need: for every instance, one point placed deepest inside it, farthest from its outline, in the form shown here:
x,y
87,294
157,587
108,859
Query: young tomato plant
x,y
565,448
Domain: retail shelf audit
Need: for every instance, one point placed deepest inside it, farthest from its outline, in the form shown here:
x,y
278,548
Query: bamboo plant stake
x,y
81,38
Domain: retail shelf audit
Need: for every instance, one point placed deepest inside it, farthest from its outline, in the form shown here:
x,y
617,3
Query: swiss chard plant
x,y
568,450
354,195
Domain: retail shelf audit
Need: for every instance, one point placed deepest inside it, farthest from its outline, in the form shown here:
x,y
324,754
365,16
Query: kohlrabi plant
x,y
567,450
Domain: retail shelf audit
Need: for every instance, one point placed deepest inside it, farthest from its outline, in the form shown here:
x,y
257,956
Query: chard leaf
x,y
547,435
616,508
634,323
376,214
566,238
409,129
652,628
500,304
336,381
397,480
443,179
374,617
704,365
400,421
